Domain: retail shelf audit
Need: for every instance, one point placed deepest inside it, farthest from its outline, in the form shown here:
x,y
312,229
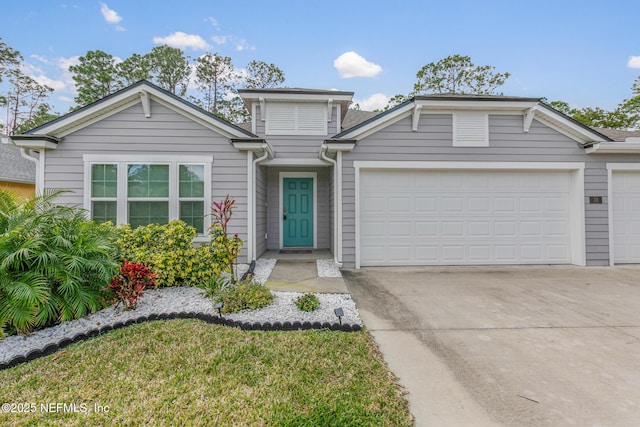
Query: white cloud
x,y
241,44
350,64
110,15
53,84
377,101
65,99
213,21
219,39
634,62
183,41
39,58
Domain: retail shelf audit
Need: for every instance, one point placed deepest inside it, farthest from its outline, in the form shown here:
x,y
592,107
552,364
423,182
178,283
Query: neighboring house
x,y
437,180
17,174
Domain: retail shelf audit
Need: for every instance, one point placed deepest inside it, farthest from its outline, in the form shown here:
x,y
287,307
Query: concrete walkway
x,y
301,275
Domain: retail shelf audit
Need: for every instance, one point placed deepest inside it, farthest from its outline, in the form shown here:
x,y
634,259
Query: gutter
x,y
337,201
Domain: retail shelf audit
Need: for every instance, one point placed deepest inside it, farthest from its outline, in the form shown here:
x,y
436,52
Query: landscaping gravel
x,y
328,268
182,299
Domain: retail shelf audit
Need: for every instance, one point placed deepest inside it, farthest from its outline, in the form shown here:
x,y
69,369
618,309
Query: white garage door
x,y
625,211
464,217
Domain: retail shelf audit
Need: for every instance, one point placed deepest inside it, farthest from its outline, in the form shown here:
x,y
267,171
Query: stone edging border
x,y
208,318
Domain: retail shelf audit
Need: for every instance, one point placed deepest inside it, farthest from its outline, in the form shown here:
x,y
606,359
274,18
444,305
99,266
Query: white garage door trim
x,y
578,250
613,167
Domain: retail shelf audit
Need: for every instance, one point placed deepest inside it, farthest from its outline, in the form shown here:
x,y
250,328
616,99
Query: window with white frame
x,y
142,192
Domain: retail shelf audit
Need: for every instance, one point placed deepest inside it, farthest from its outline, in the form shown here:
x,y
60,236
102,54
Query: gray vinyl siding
x,y
274,213
261,210
165,132
296,146
507,143
331,202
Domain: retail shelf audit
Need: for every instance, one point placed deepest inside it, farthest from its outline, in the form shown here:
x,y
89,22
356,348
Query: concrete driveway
x,y
529,346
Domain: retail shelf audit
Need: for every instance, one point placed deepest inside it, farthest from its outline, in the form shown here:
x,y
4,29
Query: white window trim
x,y
313,175
615,167
123,160
578,238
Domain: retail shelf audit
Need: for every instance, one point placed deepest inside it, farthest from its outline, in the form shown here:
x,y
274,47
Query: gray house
x,y
438,180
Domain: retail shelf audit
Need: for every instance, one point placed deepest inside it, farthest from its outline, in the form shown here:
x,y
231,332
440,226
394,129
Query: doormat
x,y
294,251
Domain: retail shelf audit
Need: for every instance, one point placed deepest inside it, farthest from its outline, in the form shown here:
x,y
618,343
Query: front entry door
x,y
297,212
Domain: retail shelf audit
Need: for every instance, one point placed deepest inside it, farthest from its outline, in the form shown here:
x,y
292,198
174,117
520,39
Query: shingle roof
x,y
617,134
14,167
355,117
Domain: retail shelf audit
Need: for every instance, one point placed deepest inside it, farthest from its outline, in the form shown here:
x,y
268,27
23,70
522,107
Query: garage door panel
x,y
625,210
470,217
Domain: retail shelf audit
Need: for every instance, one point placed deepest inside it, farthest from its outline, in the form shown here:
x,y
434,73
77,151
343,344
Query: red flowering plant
x,y
134,278
225,249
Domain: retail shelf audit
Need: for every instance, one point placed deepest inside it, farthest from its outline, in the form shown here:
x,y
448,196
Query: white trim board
x,y
313,175
578,239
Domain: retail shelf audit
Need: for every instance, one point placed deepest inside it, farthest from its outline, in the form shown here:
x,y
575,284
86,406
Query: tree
x,y
457,74
95,77
625,116
233,110
395,101
261,75
25,102
170,69
9,60
214,79
133,69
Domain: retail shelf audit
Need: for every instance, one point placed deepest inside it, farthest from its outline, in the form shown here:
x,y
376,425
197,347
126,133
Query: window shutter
x,y
470,129
284,118
312,119
281,118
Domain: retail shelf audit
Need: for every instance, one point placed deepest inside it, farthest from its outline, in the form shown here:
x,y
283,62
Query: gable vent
x,y
470,129
285,118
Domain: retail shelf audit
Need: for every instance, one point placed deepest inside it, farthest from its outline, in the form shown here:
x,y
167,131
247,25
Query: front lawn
x,y
187,372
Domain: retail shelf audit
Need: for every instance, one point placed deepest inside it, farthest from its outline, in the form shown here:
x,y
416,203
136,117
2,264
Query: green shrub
x,y
168,251
307,302
215,285
245,296
54,263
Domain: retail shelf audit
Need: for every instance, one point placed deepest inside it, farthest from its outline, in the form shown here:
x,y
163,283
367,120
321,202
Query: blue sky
x,y
584,52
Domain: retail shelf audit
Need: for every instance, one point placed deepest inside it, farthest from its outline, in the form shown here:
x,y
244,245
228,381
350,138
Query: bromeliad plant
x,y
54,263
128,287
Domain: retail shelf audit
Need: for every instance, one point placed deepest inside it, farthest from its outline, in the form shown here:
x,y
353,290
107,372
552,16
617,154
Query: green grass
x,y
187,372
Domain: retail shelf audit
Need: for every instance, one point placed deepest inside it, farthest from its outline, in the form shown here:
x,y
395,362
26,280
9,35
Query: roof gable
x,y
530,108
141,92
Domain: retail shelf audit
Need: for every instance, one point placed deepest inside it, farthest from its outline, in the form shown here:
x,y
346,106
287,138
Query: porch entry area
x,y
294,209
297,212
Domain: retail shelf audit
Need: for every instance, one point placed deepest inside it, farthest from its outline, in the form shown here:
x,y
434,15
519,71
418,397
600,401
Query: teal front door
x,y
297,212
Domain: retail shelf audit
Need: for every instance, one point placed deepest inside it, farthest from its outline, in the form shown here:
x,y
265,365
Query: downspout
x,y
24,152
337,255
254,250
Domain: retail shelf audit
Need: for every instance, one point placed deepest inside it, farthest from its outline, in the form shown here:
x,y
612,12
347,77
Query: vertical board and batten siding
x,y
261,210
166,132
274,213
296,146
507,143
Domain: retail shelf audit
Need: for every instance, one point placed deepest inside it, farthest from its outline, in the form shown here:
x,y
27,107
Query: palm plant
x,y
54,263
